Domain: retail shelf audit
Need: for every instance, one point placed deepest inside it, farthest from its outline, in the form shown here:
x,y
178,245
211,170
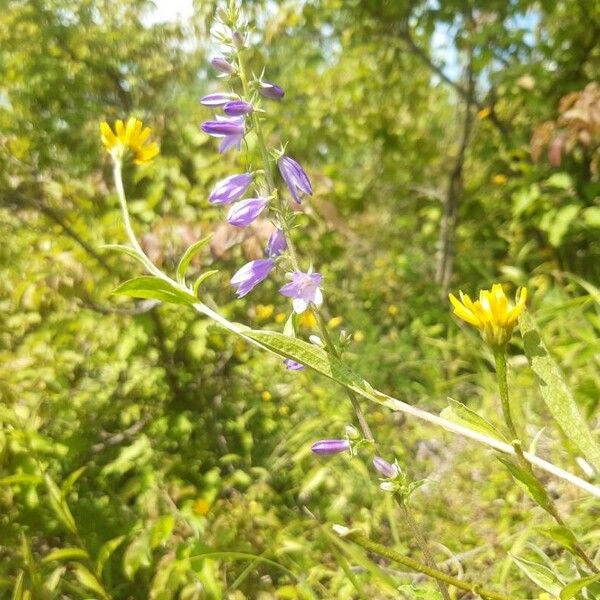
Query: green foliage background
x,y
186,448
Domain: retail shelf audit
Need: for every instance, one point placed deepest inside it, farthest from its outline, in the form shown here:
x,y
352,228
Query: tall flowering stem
x,y
547,503
329,344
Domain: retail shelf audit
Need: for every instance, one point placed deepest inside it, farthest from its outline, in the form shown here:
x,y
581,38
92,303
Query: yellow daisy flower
x,y
492,314
132,136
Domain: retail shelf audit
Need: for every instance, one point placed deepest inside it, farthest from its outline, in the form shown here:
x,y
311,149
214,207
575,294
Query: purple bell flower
x,y
218,99
303,289
292,365
327,447
295,177
251,274
236,108
242,213
277,244
230,189
221,65
270,90
385,468
230,129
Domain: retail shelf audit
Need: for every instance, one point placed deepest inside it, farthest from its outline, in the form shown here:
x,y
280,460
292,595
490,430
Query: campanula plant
x,y
270,185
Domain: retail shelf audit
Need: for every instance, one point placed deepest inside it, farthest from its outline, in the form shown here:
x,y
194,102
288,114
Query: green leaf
x,y
54,578
556,394
531,485
59,505
161,530
29,561
88,580
202,278
137,556
66,554
187,257
560,224
457,412
591,216
559,534
571,590
129,456
17,593
313,357
128,250
106,551
156,289
21,479
560,181
541,575
70,481
291,325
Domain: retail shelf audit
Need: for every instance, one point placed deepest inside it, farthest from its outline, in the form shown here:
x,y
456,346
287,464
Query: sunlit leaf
x,y
530,483
89,580
66,554
556,394
572,589
459,413
156,289
541,575
106,551
59,505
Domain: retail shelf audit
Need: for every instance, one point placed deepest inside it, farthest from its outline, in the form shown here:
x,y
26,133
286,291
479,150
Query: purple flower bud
x,y
251,274
237,108
238,39
385,468
230,129
231,188
270,90
295,177
223,127
277,244
221,65
327,447
218,99
303,289
242,213
292,365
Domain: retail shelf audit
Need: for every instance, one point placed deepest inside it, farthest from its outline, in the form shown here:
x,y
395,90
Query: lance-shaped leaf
x,y
463,415
187,257
156,289
59,504
571,590
556,394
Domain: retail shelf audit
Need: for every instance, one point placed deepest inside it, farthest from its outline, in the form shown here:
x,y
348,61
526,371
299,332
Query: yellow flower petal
x,y
462,312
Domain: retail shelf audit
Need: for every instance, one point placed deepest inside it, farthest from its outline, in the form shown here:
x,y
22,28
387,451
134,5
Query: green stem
x,y
548,505
415,565
322,325
118,178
